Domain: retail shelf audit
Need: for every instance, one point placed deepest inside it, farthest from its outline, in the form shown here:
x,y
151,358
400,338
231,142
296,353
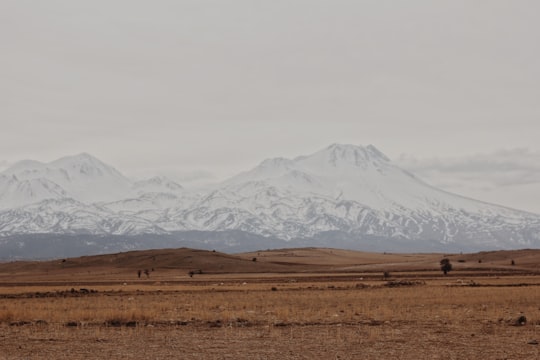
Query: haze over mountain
x,y
342,196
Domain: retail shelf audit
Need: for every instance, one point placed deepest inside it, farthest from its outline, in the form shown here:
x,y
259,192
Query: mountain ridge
x,y
345,191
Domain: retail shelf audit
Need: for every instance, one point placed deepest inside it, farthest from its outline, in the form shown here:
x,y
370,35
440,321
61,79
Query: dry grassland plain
x,y
288,304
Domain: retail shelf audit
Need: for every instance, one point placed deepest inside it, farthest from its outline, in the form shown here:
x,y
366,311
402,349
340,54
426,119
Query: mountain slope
x,y
15,193
68,216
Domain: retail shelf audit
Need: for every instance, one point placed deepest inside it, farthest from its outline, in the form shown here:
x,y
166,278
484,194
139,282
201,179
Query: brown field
x,y
279,304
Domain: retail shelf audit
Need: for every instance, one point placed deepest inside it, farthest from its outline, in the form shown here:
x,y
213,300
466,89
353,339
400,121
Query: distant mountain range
x,y
342,196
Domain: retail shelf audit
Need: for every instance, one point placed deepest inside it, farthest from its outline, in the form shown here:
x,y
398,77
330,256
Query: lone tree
x,y
446,266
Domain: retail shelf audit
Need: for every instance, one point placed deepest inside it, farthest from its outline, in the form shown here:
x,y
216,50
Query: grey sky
x,y
189,86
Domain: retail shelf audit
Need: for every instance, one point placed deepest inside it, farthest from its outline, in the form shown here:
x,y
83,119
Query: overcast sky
x,y
448,89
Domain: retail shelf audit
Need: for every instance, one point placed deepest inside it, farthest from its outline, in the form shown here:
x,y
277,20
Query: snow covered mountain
x,y
343,196
81,177
357,191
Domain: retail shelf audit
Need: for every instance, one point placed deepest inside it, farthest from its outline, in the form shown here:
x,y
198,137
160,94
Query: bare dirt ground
x,y
387,341
287,304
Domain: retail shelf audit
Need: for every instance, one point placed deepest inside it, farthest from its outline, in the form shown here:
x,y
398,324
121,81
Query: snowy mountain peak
x,y
157,184
269,168
82,177
340,154
24,165
335,159
85,164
